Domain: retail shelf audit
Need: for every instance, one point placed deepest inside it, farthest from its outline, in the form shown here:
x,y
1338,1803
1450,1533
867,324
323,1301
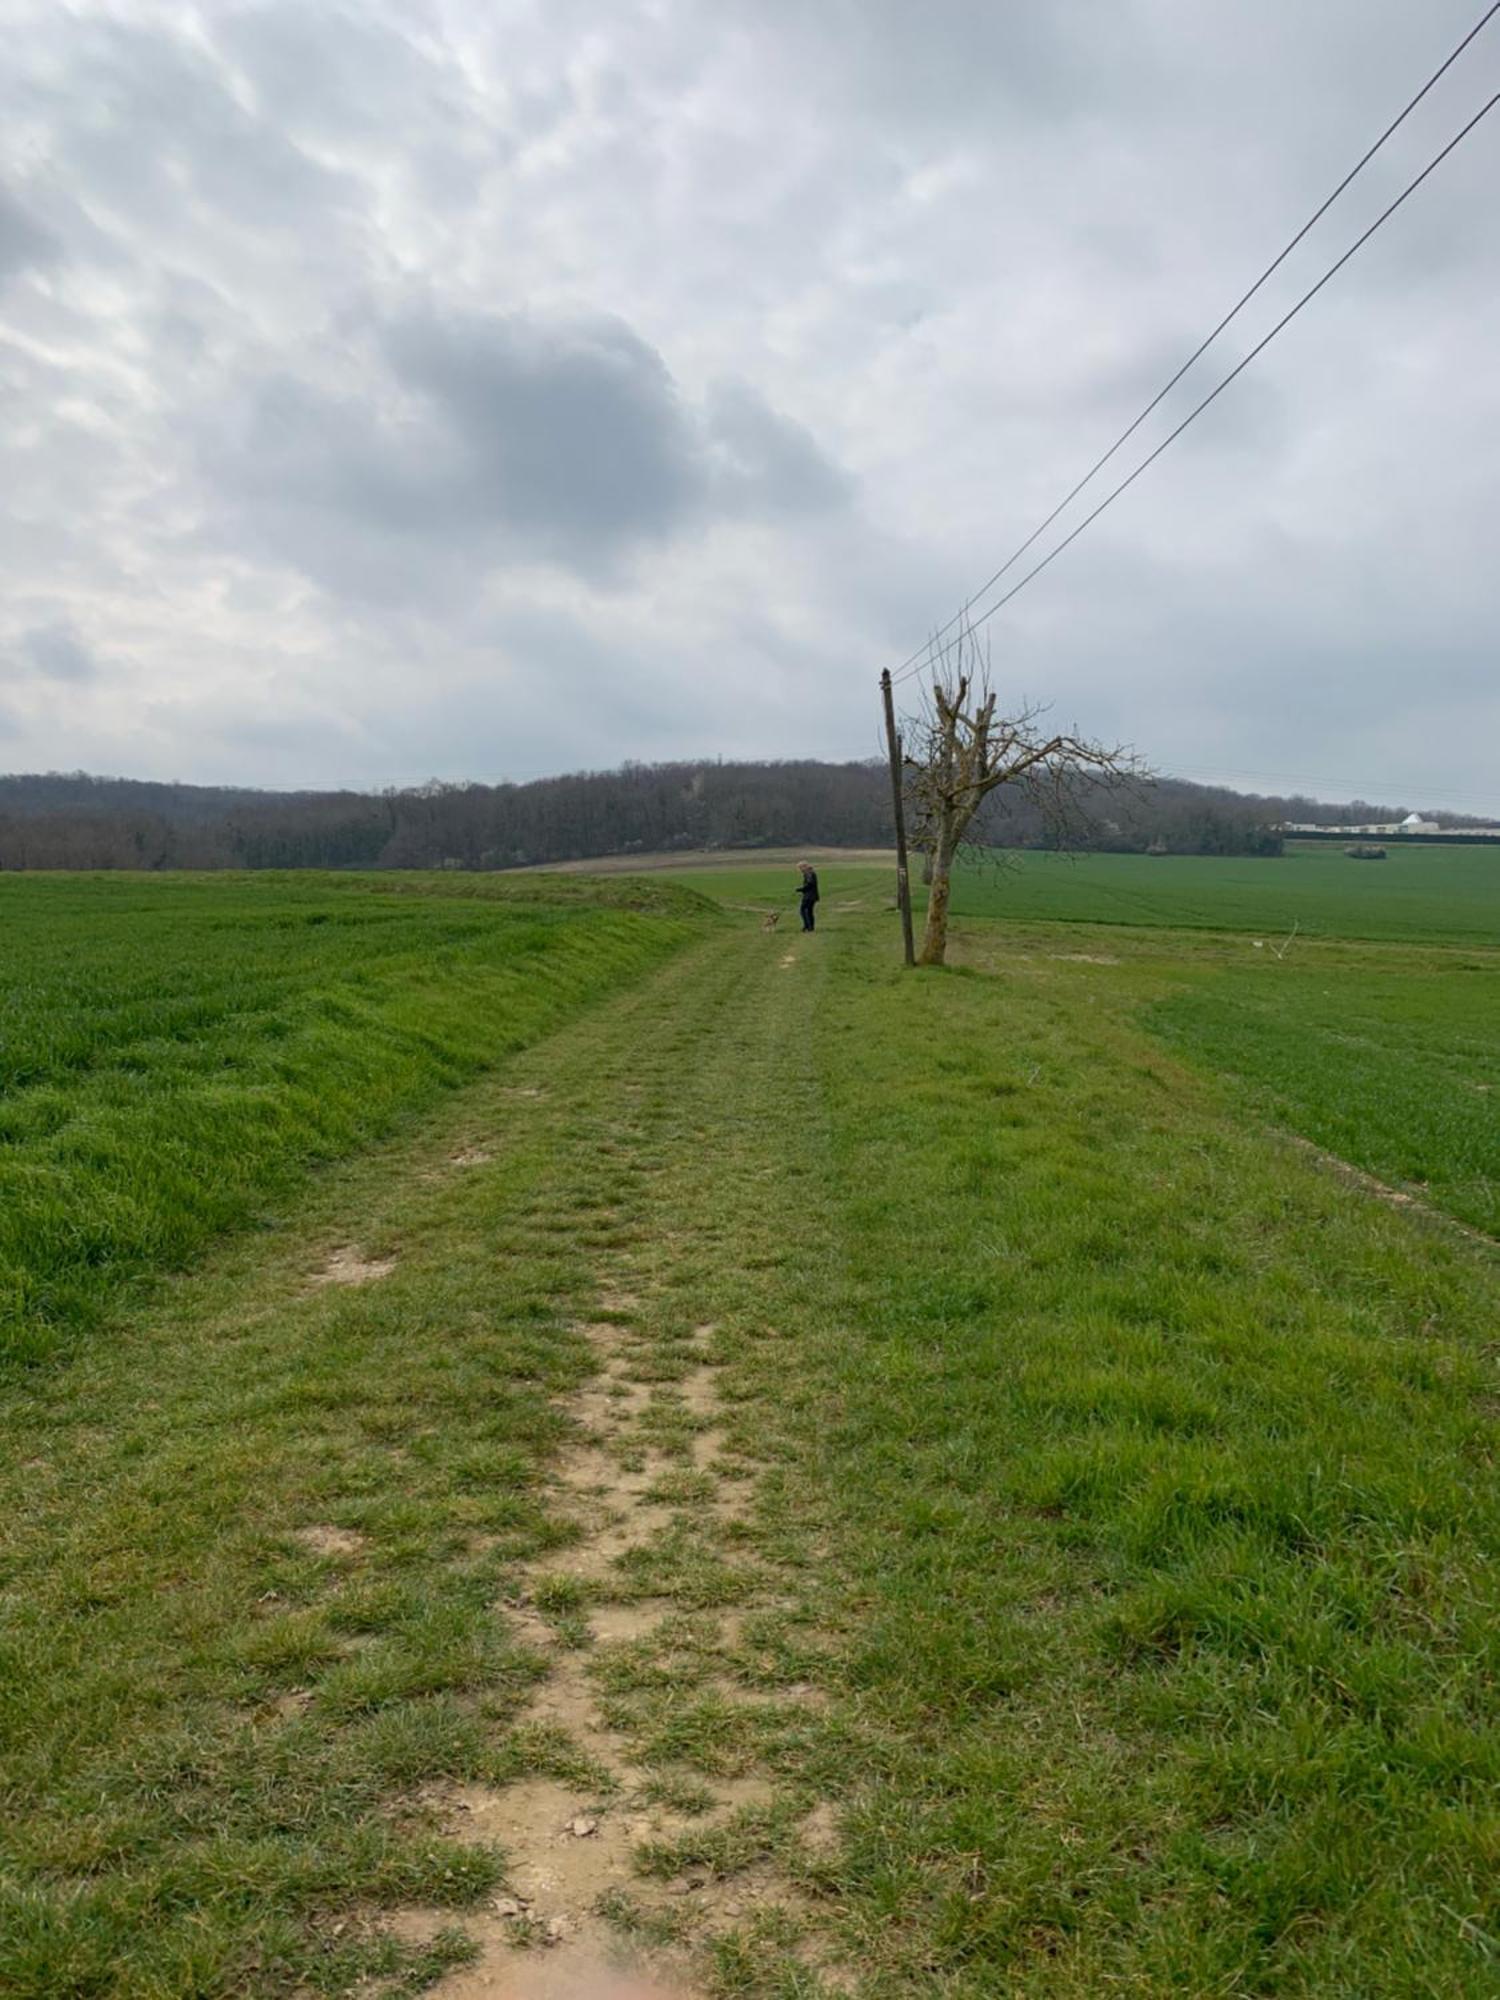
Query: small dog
x,y
770,920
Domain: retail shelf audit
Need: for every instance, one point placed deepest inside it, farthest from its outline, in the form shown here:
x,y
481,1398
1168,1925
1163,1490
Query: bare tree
x,y
964,752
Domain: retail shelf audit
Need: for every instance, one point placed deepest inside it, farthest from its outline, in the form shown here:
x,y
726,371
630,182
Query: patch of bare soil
x,y
604,1402
471,1156
349,1267
325,1540
623,1624
1394,1197
820,1831
557,1963
698,1390
1084,957
289,1706
618,1302
571,1846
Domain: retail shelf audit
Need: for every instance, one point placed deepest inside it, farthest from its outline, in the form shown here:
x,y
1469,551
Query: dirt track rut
x,y
660,1818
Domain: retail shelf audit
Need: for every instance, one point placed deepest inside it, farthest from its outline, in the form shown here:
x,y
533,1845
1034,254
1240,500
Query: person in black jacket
x,y
808,893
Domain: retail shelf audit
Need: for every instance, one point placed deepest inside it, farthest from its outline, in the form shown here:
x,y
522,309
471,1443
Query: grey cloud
x,y
500,439
574,433
770,462
330,68
340,74
58,654
282,734
918,66
24,243
147,121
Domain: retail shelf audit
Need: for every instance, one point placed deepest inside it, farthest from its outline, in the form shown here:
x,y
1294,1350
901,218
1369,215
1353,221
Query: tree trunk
x,y
935,935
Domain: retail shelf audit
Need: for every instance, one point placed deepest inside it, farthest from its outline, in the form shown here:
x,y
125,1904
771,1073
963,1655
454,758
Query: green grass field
x,y
1419,894
961,1501
1389,1058
1386,1055
174,1053
1435,894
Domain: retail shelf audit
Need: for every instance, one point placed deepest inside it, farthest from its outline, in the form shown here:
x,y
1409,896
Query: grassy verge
x,y
176,1053
1164,1502
252,1550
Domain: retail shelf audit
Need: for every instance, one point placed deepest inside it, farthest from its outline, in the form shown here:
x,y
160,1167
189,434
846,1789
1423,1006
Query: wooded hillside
x,y
73,820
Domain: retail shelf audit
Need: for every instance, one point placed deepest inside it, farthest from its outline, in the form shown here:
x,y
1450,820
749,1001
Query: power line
x,y
921,653
1213,395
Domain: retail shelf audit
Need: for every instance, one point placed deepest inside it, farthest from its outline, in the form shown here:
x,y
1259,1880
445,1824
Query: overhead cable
x,y
918,661
920,654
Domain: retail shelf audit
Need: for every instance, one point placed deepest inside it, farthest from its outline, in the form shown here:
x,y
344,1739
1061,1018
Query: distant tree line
x,y
73,820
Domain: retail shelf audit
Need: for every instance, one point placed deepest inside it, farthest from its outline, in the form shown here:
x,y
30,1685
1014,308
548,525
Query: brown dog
x,y
770,920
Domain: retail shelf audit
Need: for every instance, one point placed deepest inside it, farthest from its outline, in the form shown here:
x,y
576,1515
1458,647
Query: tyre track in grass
x,y
666,1828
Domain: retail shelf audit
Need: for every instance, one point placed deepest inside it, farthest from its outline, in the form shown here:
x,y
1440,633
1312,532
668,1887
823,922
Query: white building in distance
x,y
1412,824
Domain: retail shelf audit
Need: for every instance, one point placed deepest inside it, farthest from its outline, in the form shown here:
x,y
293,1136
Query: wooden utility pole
x,y
903,878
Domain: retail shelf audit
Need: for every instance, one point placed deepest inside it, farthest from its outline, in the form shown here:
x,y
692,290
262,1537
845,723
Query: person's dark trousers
x,y
807,916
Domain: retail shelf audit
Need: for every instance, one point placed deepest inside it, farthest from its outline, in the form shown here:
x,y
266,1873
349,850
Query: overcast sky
x,y
431,387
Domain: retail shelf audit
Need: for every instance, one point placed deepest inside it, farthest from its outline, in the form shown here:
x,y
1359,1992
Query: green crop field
x,y
1389,1058
827,1479
1386,1055
175,1051
1434,893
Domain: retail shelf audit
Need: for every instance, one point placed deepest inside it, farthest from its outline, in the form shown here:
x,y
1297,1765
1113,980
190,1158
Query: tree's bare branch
x,y
962,754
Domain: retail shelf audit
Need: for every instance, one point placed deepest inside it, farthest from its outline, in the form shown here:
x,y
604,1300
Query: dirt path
x,y
662,1819
572,1842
